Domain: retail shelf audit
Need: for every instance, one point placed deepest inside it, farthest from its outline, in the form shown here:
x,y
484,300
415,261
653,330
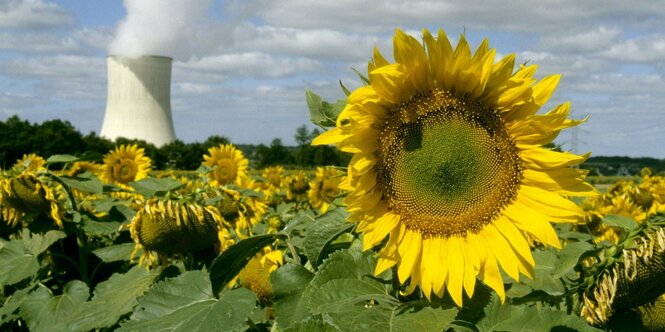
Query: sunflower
x,y
273,175
173,227
31,163
448,162
228,164
255,276
125,164
324,188
26,194
240,212
80,167
297,186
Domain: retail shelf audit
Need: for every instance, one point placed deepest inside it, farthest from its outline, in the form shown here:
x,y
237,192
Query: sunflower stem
x,y
395,282
292,249
83,256
68,190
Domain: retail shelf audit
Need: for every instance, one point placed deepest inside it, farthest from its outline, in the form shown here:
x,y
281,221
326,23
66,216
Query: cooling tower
x,y
138,101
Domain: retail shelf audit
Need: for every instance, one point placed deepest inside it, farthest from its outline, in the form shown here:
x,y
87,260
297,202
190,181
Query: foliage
x,y
60,137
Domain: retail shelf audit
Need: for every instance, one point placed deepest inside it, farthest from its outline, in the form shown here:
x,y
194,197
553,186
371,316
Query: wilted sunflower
x,y
27,194
80,167
324,188
125,164
172,227
228,164
626,276
240,212
31,163
448,162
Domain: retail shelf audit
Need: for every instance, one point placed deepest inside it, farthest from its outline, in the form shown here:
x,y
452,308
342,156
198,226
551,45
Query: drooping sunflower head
x,y
30,163
228,164
126,163
80,167
324,188
297,186
171,227
238,211
627,275
448,161
27,194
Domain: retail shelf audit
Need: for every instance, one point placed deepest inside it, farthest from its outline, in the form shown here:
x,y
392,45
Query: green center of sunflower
x,y
225,171
447,165
125,171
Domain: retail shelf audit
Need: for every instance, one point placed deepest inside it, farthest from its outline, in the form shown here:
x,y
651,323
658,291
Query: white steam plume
x,y
175,28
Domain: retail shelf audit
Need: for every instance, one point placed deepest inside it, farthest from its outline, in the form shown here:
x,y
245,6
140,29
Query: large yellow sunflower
x,y
125,164
228,163
448,162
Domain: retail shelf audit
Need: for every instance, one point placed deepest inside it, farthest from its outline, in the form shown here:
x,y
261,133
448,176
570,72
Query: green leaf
x,y
620,221
199,311
544,279
353,304
362,77
94,227
495,313
12,303
288,283
43,311
61,158
229,263
116,253
342,264
421,316
172,294
315,323
19,257
322,112
364,305
322,232
113,298
85,182
149,187
532,319
569,256
518,290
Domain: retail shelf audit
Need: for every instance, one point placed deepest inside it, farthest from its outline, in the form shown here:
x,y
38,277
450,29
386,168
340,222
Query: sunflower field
x,y
453,214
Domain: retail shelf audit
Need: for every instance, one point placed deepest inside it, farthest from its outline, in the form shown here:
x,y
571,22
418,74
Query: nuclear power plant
x,y
138,101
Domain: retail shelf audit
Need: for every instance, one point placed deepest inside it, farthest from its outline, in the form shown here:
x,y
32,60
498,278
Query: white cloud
x,y
593,40
250,65
32,14
37,43
97,37
55,67
517,15
323,44
645,49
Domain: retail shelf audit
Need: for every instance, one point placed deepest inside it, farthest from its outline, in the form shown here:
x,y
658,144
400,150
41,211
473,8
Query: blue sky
x,y
241,67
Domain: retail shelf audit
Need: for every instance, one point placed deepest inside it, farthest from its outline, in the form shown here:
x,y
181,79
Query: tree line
x,y
19,137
